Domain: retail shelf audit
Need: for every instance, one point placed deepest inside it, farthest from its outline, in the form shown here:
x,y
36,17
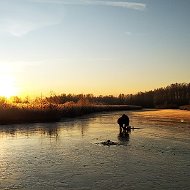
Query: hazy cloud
x,y
19,27
18,19
129,5
123,4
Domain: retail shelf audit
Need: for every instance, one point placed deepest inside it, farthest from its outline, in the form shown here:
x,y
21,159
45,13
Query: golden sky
x,y
99,47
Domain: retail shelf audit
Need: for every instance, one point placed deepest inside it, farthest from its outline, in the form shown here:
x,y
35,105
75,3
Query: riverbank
x,y
10,114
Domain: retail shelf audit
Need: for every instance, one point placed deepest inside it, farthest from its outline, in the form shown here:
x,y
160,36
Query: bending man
x,y
123,122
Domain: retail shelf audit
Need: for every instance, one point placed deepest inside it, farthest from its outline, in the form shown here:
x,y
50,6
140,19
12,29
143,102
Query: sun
x,y
7,86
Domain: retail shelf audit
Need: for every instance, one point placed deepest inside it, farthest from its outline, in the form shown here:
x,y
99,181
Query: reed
x,y
27,114
44,111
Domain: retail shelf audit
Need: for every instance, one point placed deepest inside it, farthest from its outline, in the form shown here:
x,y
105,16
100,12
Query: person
x,y
123,122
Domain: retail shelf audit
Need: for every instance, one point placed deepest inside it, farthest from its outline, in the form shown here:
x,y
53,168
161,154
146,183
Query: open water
x,y
69,154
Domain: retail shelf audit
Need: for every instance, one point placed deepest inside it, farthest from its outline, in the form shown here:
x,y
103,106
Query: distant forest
x,y
172,96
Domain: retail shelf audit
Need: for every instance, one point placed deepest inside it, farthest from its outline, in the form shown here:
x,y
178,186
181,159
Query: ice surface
x,y
69,154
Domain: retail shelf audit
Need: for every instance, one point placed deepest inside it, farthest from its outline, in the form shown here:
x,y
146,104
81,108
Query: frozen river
x,y
69,154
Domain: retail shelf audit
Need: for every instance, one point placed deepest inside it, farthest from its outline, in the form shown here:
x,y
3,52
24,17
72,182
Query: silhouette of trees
x,y
172,96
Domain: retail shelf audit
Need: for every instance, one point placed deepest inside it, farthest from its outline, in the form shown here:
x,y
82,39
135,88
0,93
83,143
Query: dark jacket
x,y
123,120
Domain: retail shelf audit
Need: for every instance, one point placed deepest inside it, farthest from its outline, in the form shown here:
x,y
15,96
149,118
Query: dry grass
x,y
47,112
19,114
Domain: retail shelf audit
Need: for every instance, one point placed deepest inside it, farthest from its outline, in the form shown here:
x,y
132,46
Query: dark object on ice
x,y
123,122
108,143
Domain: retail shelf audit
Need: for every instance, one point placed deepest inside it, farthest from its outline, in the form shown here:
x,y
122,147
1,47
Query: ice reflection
x,y
68,154
28,130
123,137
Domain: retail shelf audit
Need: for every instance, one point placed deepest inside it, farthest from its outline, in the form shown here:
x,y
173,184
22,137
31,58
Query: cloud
x,y
122,4
19,27
18,19
129,5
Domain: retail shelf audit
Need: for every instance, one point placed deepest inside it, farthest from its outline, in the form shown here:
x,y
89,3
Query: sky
x,y
101,47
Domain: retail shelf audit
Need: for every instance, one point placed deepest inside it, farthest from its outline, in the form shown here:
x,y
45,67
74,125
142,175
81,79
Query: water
x,y
69,154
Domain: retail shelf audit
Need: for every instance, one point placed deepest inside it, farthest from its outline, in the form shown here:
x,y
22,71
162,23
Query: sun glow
x,y
8,87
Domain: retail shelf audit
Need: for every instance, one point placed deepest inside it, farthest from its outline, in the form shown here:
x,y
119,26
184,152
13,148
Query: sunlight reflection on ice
x,y
68,154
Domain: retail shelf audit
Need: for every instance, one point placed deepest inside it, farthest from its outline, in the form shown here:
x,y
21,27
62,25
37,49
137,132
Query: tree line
x,y
171,96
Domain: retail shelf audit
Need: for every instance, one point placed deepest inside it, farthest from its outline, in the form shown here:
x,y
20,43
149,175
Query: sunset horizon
x,y
94,94
92,47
